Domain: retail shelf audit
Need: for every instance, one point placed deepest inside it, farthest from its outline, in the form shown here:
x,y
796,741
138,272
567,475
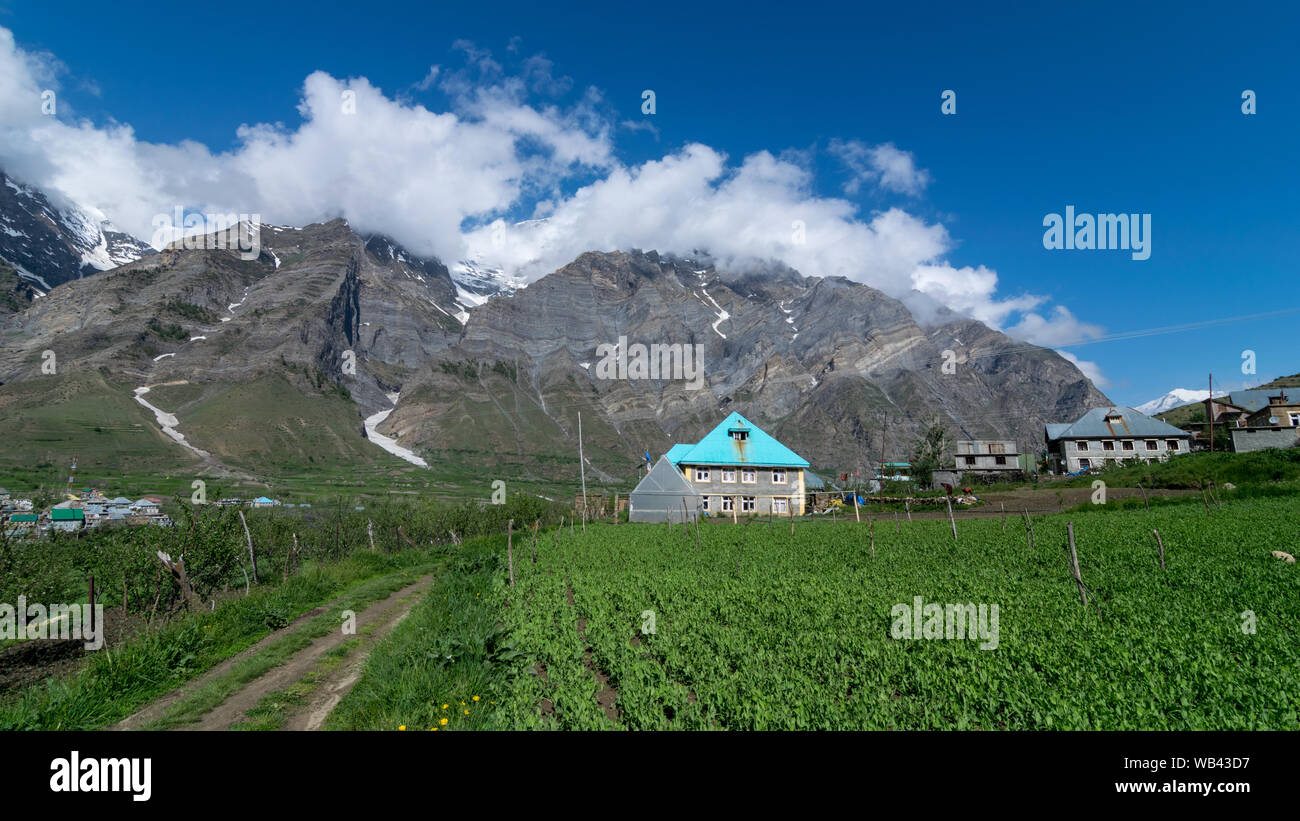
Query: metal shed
x,y
660,496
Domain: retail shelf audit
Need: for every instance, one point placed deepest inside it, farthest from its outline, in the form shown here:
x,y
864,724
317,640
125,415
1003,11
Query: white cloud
x,y
885,165
1061,328
445,183
1090,369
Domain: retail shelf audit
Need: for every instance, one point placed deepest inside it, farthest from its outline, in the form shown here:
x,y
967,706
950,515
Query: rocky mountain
x,y
329,339
45,245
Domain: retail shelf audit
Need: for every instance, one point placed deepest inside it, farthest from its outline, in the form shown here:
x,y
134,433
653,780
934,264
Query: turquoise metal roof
x,y
676,452
719,447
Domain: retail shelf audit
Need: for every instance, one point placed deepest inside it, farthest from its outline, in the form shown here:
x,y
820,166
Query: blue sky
x,y
1107,108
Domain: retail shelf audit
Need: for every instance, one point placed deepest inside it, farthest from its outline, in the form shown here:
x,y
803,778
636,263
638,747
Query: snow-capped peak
x,y
1175,398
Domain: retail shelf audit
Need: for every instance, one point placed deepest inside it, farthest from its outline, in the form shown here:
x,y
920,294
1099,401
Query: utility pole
x,y
883,431
1209,407
582,467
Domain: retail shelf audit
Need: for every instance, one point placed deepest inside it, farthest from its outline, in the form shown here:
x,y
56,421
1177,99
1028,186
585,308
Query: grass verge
x,y
442,667
116,682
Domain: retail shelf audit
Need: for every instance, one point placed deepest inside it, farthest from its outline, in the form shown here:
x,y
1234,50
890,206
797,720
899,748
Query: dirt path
x,y
383,613
330,689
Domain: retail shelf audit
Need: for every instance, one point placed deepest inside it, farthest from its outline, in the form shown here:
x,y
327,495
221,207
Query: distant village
x,y
91,508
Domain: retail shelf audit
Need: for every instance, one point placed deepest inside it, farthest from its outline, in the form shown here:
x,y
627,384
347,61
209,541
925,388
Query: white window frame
x,y
780,504
1295,419
1081,445
753,474
728,476
748,504
702,474
1152,444
704,503
727,504
1172,445
775,474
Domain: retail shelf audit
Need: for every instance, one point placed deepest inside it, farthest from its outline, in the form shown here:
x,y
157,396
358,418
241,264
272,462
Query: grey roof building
x,y
1112,434
663,495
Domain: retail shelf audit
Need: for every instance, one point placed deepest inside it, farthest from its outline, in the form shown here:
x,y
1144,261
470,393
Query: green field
x,y
758,629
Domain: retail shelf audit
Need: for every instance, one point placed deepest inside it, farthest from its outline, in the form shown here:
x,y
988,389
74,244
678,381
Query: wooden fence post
x,y
735,503
1004,515
1145,500
510,549
1161,546
907,503
856,517
791,520
1074,560
871,531
370,531
948,498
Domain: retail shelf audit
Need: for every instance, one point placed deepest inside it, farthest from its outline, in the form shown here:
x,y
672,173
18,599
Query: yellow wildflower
x,y
443,722
476,698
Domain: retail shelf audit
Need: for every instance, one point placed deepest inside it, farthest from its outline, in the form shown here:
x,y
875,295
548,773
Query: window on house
x,y
1084,464
728,474
1081,445
1295,420
780,505
701,474
704,503
748,477
778,477
1107,445
1172,444
997,447
1128,444
1151,444
727,504
748,504
1001,460
969,460
740,435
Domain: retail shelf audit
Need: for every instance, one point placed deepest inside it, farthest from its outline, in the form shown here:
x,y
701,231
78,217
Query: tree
x,y
929,451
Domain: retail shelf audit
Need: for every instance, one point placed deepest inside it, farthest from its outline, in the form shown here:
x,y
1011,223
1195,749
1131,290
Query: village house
x,y
1257,419
144,507
262,501
739,469
20,524
1105,436
993,455
67,519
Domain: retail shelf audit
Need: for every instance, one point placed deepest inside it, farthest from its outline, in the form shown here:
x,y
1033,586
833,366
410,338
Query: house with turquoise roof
x,y
740,469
